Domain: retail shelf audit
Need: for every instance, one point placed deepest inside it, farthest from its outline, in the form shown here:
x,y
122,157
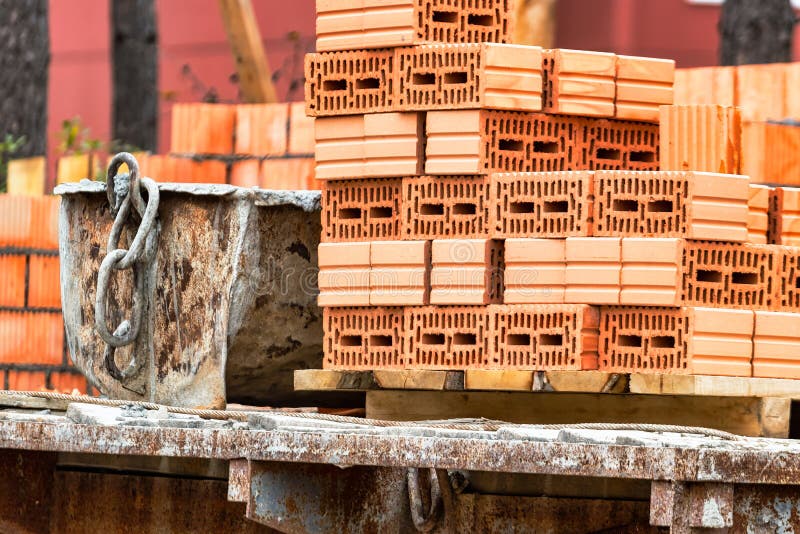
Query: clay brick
x,y
787,279
203,128
44,222
699,341
445,207
343,274
12,280
546,204
643,83
694,205
754,151
26,176
363,338
73,168
355,24
466,271
15,220
27,380
701,138
301,130
535,271
579,82
446,337
346,83
758,213
68,382
544,337
779,157
361,210
775,341
594,266
616,145
760,92
784,216
652,271
486,141
261,129
399,274
478,75
706,85
364,146
288,173
44,282
31,338
245,173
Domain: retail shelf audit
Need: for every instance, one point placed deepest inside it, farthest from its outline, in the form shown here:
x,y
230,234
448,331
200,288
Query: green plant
x,y
75,138
9,146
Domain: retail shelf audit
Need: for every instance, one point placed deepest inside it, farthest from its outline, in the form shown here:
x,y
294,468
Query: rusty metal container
x,y
231,294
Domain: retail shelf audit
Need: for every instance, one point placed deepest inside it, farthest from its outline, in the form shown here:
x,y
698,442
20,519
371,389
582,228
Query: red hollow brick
x,y
355,24
399,274
15,220
445,207
245,173
301,130
261,129
787,290
700,341
535,270
775,341
203,128
361,210
31,338
446,337
643,83
466,271
594,266
363,338
479,75
784,216
343,274
544,337
579,82
547,204
12,280
351,82
758,213
671,204
44,282
615,145
700,138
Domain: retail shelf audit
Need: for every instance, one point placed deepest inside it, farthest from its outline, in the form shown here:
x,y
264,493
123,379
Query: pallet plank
x,y
722,386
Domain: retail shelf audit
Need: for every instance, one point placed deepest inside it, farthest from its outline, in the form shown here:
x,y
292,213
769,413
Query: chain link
x,y
129,208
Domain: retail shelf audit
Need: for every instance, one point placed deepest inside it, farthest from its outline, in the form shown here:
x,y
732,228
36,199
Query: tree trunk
x,y
24,62
135,74
756,31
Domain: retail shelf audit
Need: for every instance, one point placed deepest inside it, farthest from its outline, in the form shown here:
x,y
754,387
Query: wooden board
x,y
723,386
745,416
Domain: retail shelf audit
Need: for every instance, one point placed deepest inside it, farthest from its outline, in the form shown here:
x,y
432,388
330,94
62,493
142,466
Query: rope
x,y
480,425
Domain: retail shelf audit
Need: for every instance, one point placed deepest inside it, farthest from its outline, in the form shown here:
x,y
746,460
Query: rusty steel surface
x,y
231,291
691,458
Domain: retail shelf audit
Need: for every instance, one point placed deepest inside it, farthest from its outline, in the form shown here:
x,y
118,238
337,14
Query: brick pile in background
x,y
770,108
33,353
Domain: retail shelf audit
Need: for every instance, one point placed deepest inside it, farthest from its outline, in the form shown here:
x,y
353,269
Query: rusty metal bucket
x,y
231,294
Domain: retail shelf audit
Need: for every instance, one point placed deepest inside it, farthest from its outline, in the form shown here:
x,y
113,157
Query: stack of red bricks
x,y
33,354
488,205
250,145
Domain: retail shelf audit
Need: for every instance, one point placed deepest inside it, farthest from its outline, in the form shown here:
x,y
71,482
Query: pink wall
x,y
191,33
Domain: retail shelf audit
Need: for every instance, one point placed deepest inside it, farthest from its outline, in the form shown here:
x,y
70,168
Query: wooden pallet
x,y
748,406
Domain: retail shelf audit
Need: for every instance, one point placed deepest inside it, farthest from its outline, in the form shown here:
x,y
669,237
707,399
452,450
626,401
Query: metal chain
x,y
129,208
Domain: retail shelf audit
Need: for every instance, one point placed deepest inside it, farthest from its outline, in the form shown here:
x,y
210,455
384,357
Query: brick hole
x,y
556,206
432,339
551,340
511,145
744,278
625,205
480,20
704,275
380,212
445,16
642,155
455,77
424,78
797,282
662,342
431,209
660,206
464,208
381,341
334,85
545,147
629,341
368,83
350,213
518,339
609,153
350,341
529,207
464,339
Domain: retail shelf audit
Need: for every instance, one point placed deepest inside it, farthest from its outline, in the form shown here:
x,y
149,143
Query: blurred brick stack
x,y
770,105
487,205
33,355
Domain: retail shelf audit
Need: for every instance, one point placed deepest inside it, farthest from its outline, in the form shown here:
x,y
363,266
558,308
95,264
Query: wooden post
x,y
535,22
255,77
756,31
